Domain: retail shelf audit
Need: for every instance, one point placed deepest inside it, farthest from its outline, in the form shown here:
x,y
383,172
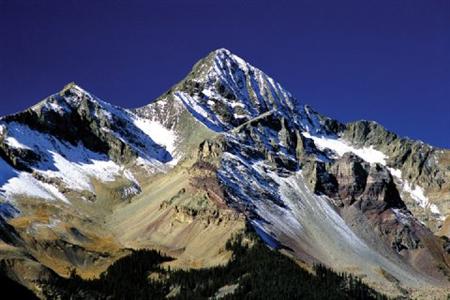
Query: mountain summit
x,y
225,91
83,181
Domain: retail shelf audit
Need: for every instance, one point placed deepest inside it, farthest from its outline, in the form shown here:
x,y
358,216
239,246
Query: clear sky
x,y
387,61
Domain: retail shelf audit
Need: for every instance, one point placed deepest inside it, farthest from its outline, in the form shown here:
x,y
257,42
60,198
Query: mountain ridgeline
x,y
88,188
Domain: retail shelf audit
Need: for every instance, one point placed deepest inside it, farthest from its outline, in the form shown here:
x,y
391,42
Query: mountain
x,y
224,151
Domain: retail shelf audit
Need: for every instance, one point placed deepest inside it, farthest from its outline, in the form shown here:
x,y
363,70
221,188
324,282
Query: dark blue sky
x,y
387,61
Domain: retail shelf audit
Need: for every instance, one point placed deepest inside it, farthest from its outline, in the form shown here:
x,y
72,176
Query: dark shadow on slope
x,y
12,290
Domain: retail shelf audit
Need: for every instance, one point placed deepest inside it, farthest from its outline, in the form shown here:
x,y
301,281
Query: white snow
x,y
435,210
11,141
54,106
209,93
254,92
75,166
128,175
293,186
371,155
130,191
159,134
340,147
107,114
57,107
24,184
401,216
50,104
77,175
193,104
242,63
237,104
151,167
396,173
201,113
417,194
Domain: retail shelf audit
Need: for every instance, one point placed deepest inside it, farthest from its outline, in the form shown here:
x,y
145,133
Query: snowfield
x,y
340,147
159,134
75,166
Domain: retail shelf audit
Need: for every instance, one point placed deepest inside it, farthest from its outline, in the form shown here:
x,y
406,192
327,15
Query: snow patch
x,y
417,194
401,216
11,141
128,175
201,113
24,184
77,175
340,147
158,133
75,166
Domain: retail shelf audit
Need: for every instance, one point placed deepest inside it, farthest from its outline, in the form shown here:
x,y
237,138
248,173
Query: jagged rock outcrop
x,y
414,161
352,181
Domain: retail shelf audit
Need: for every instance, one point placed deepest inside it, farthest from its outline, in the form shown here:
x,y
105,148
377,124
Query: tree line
x,y
257,271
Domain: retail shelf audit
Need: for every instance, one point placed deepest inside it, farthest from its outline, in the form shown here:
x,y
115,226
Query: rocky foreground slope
x,y
83,181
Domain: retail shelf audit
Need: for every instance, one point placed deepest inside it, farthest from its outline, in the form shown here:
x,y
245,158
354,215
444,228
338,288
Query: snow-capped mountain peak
x,y
72,87
72,137
69,98
224,91
224,56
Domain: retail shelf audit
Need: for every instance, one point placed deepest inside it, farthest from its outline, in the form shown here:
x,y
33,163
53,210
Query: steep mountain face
x,y
82,180
418,170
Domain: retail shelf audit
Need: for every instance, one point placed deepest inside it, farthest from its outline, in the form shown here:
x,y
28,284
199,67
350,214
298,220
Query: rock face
x,y
412,161
225,146
352,181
